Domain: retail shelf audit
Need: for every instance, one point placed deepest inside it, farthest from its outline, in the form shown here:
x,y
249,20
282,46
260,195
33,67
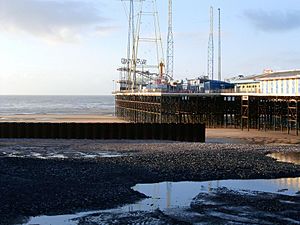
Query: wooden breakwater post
x,y
105,131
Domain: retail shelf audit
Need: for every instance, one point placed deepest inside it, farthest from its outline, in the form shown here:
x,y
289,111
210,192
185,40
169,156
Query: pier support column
x,y
293,116
245,112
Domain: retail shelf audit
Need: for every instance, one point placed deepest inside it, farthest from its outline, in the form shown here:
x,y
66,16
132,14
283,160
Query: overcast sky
x,y
75,46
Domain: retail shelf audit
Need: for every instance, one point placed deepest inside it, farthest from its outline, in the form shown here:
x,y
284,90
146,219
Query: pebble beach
x,y
50,177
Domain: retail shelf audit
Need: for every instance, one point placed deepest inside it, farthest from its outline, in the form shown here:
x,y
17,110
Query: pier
x,y
228,110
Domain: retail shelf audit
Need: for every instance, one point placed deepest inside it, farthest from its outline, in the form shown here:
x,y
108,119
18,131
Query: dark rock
x,y
31,186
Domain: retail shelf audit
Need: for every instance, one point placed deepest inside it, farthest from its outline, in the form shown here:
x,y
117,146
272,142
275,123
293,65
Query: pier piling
x,y
229,110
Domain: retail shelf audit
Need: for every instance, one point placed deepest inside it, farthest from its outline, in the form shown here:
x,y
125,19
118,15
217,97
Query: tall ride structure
x,y
131,41
148,46
145,58
170,44
210,57
126,73
219,51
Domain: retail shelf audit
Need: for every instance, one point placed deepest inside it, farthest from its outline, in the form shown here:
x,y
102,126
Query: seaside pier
x,y
149,93
216,110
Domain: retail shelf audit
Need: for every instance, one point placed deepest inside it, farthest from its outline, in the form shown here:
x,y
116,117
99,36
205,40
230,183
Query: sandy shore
x,y
56,118
252,136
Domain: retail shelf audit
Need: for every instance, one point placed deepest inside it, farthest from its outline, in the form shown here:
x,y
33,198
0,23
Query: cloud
x,y
105,30
55,20
274,21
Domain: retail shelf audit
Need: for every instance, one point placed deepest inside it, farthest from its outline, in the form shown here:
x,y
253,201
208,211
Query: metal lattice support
x,y
131,33
231,111
245,112
154,68
170,45
127,74
293,116
262,114
210,59
279,114
219,50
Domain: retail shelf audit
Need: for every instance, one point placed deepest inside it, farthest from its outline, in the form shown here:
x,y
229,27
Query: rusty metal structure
x,y
231,110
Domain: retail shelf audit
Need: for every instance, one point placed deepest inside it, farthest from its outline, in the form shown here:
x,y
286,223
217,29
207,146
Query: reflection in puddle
x,y
59,220
289,157
179,195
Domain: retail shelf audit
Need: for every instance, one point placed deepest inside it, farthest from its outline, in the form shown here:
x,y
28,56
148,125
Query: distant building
x,y
216,86
281,83
269,83
248,84
196,85
204,85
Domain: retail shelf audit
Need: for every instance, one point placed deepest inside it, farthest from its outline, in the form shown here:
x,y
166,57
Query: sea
x,y
68,105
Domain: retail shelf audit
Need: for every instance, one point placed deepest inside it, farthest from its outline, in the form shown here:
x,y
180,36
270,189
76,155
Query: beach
x,y
60,118
253,136
49,177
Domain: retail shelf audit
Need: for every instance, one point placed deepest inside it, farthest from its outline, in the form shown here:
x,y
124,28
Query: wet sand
x,y
34,186
57,118
252,136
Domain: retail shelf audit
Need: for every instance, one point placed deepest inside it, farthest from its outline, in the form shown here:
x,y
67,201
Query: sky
x,y
74,47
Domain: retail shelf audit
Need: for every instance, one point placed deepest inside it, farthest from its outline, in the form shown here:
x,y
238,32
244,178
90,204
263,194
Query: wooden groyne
x,y
118,131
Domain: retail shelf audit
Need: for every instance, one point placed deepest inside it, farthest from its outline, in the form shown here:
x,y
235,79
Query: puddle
x,y
289,157
180,194
174,198
61,219
40,154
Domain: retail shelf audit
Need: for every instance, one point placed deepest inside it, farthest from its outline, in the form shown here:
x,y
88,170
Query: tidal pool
x,y
176,198
57,154
288,157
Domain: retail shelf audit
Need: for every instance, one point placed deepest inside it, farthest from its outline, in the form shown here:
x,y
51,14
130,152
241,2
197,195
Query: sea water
x,y
69,105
